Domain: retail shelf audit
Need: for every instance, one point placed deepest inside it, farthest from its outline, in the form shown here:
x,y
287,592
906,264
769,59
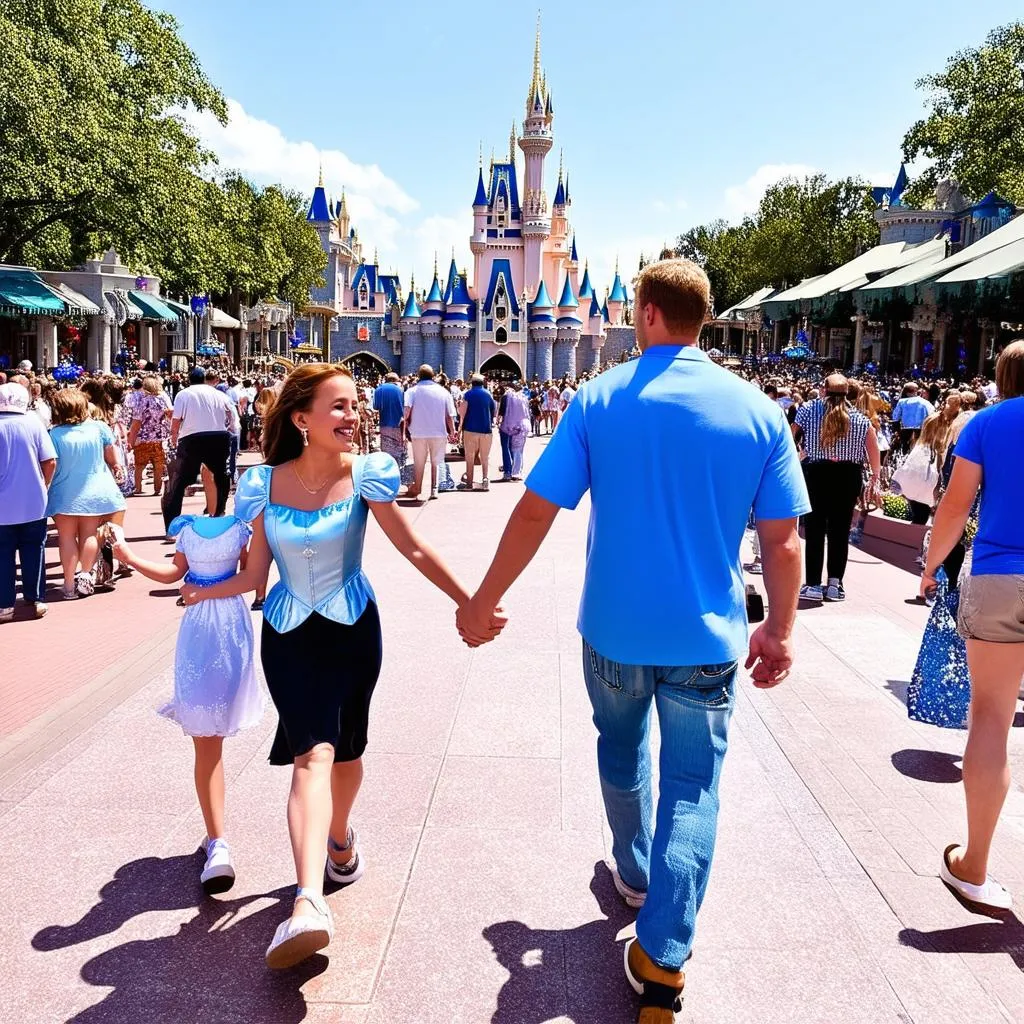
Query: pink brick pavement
x,y
486,897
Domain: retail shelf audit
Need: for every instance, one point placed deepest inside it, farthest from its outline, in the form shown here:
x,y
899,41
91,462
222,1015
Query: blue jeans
x,y
506,453
671,864
29,541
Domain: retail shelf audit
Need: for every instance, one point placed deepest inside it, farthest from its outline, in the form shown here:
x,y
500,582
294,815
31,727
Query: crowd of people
x,y
772,450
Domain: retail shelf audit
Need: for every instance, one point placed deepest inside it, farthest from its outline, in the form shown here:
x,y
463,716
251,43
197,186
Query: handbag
x,y
940,688
918,476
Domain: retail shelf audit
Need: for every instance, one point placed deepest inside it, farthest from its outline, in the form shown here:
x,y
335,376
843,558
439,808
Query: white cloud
x,y
741,200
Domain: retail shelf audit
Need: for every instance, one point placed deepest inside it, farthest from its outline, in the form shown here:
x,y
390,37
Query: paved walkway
x,y
487,897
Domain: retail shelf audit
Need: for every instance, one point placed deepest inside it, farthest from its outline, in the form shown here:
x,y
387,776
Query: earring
x,y
305,436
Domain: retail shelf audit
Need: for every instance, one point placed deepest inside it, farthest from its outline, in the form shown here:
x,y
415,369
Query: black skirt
x,y
321,676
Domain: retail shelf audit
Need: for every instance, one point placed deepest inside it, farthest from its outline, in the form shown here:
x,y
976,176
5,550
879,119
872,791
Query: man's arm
x,y
527,527
175,427
771,647
48,467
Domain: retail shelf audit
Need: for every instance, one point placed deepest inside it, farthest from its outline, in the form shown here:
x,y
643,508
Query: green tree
x,y
974,131
800,229
93,148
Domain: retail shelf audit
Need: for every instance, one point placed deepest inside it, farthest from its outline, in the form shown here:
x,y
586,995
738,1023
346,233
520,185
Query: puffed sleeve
x,y
380,479
177,530
252,493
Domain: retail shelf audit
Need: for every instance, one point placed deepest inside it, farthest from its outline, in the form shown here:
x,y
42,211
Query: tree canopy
x,y
974,131
95,152
800,229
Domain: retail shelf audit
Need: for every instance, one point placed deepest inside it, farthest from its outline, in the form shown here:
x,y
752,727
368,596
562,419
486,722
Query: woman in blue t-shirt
x,y
991,617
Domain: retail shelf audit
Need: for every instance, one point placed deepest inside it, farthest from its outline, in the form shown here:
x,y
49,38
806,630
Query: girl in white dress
x,y
216,693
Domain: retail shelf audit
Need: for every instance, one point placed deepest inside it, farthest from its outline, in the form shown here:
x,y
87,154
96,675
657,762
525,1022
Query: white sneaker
x,y
485,485
834,591
989,894
634,897
39,609
218,872
84,584
353,869
299,938
6,614
433,495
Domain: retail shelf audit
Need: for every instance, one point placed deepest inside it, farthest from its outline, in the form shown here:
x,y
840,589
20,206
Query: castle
x,y
527,313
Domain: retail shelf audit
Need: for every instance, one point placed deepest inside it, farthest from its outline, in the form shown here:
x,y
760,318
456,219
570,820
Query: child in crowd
x,y
216,693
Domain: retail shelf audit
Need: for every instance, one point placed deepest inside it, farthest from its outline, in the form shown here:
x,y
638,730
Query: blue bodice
x,y
319,554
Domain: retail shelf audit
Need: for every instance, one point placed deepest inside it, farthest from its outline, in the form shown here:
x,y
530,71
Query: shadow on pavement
x,y
573,973
211,969
928,765
1005,935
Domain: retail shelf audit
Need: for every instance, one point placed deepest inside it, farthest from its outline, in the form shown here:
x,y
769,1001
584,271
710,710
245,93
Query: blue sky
x,y
669,113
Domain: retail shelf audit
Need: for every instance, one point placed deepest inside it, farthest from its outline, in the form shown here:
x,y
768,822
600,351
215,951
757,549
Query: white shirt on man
x,y
203,409
429,403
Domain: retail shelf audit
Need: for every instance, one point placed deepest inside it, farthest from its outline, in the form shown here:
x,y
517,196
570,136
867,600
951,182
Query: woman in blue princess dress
x,y
216,693
321,638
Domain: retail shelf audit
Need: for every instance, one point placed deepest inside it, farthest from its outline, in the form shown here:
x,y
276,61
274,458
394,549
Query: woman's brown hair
x,y
1010,370
69,407
836,424
282,441
96,391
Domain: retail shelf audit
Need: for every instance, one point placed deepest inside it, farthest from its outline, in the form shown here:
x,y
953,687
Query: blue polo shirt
x,y
675,452
910,413
389,401
480,410
993,439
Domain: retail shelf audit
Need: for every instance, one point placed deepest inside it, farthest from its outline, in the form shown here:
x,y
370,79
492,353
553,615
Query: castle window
x,y
500,307
363,296
501,336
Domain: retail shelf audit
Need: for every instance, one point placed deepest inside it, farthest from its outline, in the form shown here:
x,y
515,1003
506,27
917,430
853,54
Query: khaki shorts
x,y
477,444
434,447
992,609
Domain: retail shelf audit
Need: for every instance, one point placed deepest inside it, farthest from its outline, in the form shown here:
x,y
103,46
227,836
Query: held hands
x,y
477,624
770,657
191,594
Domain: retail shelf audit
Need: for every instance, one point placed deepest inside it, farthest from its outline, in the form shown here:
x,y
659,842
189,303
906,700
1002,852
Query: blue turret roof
x,y
412,308
435,291
568,196
570,320
560,193
604,312
460,293
618,293
568,300
586,288
319,211
543,299
481,192
573,255
337,208
453,276
391,286
595,308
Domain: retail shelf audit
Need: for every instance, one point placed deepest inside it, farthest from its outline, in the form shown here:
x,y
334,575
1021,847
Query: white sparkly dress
x,y
216,692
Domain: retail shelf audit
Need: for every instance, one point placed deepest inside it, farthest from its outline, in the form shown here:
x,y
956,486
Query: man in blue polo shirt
x,y
476,420
662,613
389,405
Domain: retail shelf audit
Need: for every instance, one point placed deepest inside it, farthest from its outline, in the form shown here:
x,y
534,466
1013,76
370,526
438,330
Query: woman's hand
x,y
123,553
191,594
929,585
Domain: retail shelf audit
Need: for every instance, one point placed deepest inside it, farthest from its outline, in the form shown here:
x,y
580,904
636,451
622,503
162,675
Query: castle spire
x,y
320,183
536,94
512,144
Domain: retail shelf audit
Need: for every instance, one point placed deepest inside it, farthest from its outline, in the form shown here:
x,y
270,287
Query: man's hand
x,y
478,624
191,594
929,585
770,657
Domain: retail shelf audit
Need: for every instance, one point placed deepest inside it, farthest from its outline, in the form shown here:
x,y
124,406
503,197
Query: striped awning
x,y
152,307
24,293
75,302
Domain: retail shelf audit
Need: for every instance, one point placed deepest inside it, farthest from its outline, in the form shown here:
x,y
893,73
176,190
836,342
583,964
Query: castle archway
x,y
501,367
366,364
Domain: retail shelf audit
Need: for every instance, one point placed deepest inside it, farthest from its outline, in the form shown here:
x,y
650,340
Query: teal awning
x,y
152,307
179,307
23,293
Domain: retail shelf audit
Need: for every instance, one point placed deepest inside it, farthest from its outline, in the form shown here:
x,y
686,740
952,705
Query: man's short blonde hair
x,y
680,290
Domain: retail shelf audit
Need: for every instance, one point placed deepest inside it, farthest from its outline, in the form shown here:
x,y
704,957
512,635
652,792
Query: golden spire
x,y
492,158
536,82
435,263
320,183
512,144
481,156
344,205
561,154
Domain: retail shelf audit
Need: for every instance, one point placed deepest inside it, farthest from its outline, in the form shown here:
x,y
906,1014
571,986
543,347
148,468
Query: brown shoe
x,y
660,990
